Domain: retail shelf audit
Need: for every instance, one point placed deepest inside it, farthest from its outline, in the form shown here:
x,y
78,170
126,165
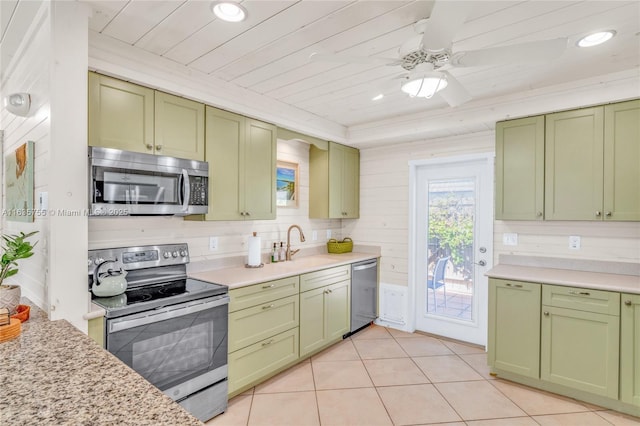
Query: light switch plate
x,y
213,243
574,242
510,239
43,200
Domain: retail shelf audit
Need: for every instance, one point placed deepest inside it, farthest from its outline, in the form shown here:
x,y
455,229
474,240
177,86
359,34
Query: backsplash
x,y
232,236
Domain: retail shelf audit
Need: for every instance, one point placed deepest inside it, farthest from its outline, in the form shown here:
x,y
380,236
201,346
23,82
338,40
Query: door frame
x,y
489,157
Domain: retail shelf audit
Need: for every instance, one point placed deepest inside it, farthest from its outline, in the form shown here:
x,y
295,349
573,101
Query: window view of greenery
x,y
450,235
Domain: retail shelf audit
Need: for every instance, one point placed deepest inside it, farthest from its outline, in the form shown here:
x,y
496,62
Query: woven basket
x,y
11,330
344,246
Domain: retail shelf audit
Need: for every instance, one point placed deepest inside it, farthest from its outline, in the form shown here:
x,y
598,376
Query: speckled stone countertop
x,y
53,374
239,276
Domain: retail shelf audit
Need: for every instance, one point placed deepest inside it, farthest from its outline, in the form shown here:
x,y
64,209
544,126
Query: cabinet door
x,y
574,165
351,181
514,327
120,114
96,330
224,139
622,161
312,328
259,179
630,349
337,313
179,127
580,350
520,169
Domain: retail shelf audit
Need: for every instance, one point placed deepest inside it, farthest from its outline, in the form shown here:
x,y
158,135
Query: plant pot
x,y
10,297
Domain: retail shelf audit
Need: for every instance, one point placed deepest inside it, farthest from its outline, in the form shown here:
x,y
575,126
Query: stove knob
x,y
183,253
166,255
98,261
175,254
90,262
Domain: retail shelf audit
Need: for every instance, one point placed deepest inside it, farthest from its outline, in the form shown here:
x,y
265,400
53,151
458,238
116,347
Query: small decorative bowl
x,y
22,313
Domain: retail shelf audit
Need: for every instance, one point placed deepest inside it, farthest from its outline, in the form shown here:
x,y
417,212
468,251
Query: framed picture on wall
x,y
19,183
286,184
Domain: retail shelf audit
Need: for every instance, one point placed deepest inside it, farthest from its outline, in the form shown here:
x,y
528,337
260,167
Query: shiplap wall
x,y
384,215
30,74
232,235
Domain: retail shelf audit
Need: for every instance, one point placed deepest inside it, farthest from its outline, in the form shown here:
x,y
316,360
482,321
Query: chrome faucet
x,y
290,253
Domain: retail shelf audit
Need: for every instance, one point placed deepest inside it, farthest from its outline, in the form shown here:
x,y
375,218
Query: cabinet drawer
x,y
257,294
248,326
582,299
254,362
325,277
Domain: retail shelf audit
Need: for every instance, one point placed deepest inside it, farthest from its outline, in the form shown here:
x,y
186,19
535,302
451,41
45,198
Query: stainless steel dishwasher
x,y
364,293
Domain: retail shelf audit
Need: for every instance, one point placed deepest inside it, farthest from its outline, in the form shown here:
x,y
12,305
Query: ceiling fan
x,y
428,56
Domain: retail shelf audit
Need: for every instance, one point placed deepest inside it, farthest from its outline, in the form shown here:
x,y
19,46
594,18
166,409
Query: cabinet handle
x,y
514,285
546,314
598,213
267,307
247,213
158,147
539,214
149,146
269,286
267,343
627,302
580,293
608,214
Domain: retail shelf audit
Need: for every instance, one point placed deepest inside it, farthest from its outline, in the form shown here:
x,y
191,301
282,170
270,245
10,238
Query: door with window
x,y
451,248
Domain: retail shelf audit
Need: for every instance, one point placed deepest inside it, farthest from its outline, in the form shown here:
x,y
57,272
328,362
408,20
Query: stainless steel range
x,y
169,328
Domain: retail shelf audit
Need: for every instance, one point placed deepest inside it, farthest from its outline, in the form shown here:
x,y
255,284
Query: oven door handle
x,y
166,313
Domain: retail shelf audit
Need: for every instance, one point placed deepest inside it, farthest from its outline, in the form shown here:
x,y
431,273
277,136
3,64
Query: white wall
x,y
232,235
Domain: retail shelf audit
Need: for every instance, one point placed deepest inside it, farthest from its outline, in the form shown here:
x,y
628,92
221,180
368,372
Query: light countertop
x,y
567,277
240,276
54,374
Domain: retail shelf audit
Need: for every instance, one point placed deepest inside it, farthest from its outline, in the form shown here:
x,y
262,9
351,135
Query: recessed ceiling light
x,y
229,11
596,38
377,97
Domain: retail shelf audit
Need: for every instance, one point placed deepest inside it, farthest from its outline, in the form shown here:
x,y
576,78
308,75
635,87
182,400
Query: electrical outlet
x,y
314,235
213,243
509,239
574,242
328,234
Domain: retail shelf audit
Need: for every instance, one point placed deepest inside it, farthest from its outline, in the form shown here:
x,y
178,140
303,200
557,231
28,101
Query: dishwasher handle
x,y
363,266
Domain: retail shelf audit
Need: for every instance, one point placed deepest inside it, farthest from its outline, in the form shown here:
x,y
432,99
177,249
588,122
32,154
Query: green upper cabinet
x,y
622,161
574,165
520,169
334,187
179,127
242,167
120,114
514,327
630,349
127,116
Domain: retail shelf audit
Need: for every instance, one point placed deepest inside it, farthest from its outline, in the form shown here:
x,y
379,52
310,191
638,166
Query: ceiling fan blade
x,y
454,94
444,22
535,51
352,59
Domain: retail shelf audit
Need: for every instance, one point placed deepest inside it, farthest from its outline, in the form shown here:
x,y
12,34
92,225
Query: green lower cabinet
x,y
580,350
514,327
324,316
630,349
96,330
250,364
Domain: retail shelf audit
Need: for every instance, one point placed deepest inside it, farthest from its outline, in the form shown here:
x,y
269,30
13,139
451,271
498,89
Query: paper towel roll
x,y
254,250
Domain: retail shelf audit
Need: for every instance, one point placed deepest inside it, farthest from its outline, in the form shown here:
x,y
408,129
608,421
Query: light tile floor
x,y
383,376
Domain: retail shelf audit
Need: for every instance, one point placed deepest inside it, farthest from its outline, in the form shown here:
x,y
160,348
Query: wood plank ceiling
x,y
269,52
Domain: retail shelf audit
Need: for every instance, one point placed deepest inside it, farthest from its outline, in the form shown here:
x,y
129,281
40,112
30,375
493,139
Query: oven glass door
x,y
175,345
124,186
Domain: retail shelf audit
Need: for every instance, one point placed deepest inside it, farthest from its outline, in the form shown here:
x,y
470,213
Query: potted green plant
x,y
15,248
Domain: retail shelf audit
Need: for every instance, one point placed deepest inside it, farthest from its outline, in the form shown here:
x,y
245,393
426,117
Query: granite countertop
x,y
568,277
239,276
54,374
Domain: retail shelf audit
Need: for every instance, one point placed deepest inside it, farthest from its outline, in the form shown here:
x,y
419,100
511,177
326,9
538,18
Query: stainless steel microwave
x,y
123,183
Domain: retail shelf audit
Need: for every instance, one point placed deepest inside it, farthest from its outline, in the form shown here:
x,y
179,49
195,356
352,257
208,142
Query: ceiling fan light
x,y
229,11
596,38
424,87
